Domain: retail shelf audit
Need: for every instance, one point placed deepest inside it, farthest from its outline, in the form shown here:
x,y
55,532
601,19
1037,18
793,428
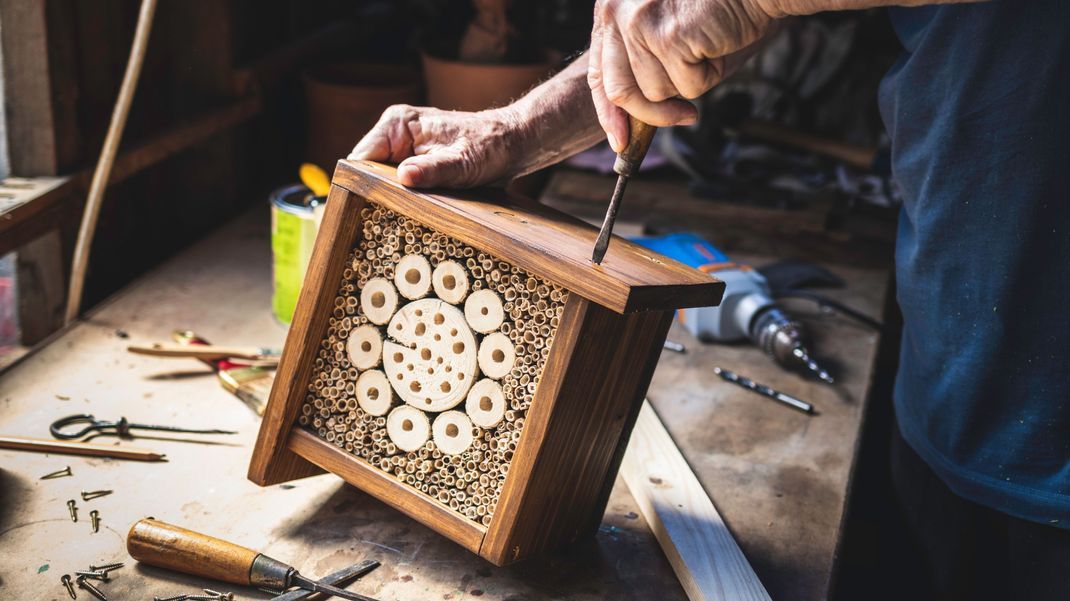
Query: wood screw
x,y
66,580
107,567
61,473
174,598
73,509
94,575
96,592
94,518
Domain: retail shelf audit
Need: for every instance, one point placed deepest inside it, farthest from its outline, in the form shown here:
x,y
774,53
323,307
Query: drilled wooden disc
x,y
484,311
452,432
450,282
365,347
485,404
374,394
413,276
496,355
378,300
431,360
408,428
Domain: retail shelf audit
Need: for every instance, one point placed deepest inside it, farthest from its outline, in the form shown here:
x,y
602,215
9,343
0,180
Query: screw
x,y
66,580
102,576
74,510
218,595
61,473
96,592
94,517
107,567
86,496
175,598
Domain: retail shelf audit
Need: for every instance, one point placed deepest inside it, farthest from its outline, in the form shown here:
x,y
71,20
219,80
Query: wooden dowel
x,y
42,445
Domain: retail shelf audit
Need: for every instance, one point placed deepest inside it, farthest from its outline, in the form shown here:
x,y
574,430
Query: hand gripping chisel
x,y
627,164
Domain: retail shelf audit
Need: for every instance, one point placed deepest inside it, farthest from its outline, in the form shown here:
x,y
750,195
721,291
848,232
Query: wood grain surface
x,y
541,240
577,426
706,558
175,548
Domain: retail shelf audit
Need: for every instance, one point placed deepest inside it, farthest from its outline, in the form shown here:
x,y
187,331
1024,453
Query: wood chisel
x,y
163,545
340,578
627,164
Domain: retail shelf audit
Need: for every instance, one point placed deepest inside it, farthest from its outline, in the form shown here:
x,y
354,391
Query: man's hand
x,y
456,149
647,56
445,148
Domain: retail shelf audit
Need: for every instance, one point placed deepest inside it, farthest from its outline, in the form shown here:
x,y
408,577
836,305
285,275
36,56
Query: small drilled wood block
x,y
460,358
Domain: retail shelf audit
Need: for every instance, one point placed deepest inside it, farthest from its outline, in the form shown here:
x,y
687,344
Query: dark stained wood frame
x,y
592,386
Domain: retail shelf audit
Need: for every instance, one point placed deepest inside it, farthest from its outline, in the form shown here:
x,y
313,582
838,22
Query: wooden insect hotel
x,y
462,359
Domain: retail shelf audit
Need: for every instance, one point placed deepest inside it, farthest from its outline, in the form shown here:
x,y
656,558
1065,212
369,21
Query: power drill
x,y
747,310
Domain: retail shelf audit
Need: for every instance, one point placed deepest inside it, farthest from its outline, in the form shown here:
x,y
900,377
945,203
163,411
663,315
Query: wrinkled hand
x,y
445,148
647,56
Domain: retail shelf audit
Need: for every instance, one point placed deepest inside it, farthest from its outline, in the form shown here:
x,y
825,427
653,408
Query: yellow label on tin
x,y
292,237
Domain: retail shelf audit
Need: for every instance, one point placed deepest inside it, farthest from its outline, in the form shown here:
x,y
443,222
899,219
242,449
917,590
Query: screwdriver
x,y
163,545
627,164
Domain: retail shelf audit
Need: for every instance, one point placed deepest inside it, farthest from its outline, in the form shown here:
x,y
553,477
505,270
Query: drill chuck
x,y
784,340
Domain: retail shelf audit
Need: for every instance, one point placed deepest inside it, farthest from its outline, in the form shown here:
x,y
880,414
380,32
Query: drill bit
x,y
808,361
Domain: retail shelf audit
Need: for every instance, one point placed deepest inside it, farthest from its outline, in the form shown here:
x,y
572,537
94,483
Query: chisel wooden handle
x,y
163,545
639,136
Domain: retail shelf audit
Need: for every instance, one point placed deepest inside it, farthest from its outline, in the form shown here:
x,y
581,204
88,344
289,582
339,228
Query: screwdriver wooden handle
x,y
162,545
639,136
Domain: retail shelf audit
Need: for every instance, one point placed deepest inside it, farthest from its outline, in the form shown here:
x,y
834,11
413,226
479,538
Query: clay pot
x,y
346,99
465,86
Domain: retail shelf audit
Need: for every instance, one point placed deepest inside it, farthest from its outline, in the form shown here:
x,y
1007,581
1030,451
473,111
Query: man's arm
x,y
457,149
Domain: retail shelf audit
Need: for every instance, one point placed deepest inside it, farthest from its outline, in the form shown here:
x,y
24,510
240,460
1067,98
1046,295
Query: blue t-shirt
x,y
978,109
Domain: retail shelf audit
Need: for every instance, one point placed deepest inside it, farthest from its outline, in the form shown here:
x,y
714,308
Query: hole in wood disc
x,y
438,337
398,357
439,319
484,310
407,425
418,313
449,282
486,404
373,393
453,331
366,346
409,367
412,276
425,354
446,387
458,347
414,386
452,430
378,300
420,329
497,355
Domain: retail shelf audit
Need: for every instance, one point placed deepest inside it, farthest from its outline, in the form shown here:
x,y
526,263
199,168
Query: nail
x,y
66,580
94,518
73,509
93,494
59,474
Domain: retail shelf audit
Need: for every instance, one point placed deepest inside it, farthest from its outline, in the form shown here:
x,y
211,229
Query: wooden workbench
x,y
779,478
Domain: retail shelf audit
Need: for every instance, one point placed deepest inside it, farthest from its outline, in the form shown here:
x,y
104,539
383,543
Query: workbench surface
x,y
779,478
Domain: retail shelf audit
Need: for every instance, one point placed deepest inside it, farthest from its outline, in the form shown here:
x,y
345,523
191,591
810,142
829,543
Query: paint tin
x,y
295,218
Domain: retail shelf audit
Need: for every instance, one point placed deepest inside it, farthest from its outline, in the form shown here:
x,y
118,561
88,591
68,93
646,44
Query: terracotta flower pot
x,y
465,86
346,99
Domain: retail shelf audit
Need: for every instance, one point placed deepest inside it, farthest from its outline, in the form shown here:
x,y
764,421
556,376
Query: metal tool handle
x,y
57,427
639,136
163,545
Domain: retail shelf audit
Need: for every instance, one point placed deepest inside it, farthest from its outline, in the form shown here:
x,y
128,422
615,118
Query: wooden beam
x,y
27,88
701,550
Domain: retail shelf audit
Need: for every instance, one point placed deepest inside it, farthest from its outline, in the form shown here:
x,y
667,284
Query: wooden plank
x,y
705,556
41,287
542,241
586,402
386,488
273,461
27,88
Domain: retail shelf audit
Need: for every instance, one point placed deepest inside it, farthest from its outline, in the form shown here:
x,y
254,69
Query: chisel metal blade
x,y
340,578
602,243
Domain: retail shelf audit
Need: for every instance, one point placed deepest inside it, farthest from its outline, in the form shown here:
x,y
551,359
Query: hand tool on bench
x,y
627,164
166,546
40,445
342,577
258,355
762,389
121,427
251,384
